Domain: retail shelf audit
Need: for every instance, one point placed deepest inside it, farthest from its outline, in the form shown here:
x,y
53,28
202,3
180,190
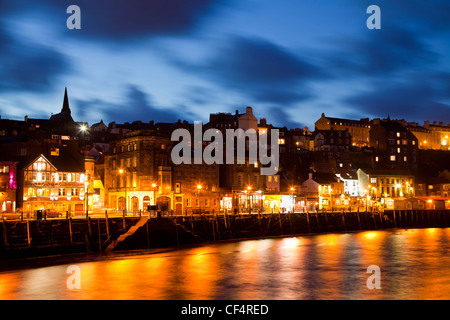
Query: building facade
x,y
358,129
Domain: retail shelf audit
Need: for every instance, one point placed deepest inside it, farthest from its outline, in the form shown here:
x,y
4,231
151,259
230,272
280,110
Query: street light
x,y
121,171
249,189
292,198
199,188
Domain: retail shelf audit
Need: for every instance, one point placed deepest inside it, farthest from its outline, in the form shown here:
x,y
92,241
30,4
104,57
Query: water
x,y
415,264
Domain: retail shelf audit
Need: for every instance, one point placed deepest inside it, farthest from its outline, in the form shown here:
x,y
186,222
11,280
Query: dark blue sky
x,y
166,60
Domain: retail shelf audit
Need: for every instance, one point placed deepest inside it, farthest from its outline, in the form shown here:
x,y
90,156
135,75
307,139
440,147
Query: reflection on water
x,y
414,265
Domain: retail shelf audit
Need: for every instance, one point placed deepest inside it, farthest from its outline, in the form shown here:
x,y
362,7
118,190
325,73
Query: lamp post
x,y
199,188
292,198
249,189
121,171
154,193
86,196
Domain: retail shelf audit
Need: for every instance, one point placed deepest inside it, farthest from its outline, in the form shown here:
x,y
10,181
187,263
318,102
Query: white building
x,y
351,185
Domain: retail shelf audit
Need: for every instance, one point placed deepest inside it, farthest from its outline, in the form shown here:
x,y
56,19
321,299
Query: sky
x,y
291,60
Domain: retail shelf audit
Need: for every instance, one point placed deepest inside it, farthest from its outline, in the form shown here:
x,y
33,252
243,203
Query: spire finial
x,y
65,107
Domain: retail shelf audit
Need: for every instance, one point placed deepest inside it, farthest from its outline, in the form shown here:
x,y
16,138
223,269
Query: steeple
x,y
65,114
65,107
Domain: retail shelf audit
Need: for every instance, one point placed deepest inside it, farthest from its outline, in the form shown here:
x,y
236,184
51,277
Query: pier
x,y
27,238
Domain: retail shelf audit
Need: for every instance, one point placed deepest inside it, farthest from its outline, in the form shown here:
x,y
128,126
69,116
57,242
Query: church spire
x,y
65,107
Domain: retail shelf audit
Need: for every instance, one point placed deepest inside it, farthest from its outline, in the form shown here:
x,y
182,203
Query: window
x,y
207,202
392,158
376,159
197,202
405,158
398,134
373,180
398,150
188,202
239,180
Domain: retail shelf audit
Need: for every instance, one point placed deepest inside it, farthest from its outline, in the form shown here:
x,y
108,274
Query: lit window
x,y
398,150
398,134
392,158
405,158
376,159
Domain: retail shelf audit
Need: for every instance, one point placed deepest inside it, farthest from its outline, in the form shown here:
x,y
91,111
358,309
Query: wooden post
x,y
123,220
395,221
89,227
148,234
28,233
343,220
107,224
213,229
307,220
99,238
290,223
374,220
5,233
359,220
279,221
70,230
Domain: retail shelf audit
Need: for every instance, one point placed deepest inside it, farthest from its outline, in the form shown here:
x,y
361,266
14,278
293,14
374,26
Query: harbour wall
x,y
55,237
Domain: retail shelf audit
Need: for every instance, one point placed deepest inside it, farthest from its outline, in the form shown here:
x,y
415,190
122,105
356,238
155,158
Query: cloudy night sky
x,y
166,60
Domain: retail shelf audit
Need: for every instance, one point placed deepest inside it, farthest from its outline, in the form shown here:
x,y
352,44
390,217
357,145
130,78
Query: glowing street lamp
x,y
121,172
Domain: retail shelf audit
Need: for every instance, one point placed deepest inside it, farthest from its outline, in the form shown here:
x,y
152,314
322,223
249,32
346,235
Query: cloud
x,y
28,66
382,53
257,68
413,99
125,20
135,105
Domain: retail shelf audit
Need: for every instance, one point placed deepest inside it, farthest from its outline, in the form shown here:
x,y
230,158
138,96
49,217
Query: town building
x,y
8,186
395,147
54,183
358,129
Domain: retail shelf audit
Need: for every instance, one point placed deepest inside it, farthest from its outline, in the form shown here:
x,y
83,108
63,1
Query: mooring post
x,y
70,230
395,221
89,227
107,224
307,221
279,221
359,220
5,233
28,233
344,220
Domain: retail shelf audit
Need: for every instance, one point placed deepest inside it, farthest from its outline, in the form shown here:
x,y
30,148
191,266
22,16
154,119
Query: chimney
x,y
26,118
441,124
376,121
426,124
249,110
237,112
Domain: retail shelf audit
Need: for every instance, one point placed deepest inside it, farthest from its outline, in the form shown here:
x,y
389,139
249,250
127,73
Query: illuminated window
x,y
392,158
405,158
376,159
398,134
281,141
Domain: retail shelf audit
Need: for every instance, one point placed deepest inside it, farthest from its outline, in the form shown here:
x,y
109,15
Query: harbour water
x,y
414,264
